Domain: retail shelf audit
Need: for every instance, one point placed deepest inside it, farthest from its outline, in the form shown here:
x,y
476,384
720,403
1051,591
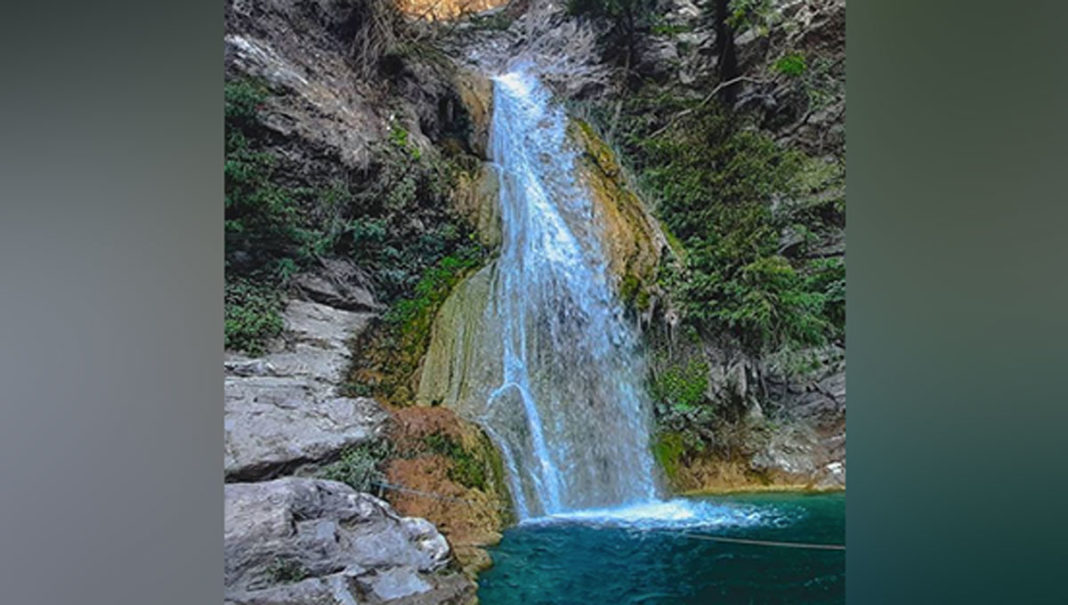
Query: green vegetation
x,y
751,270
415,313
276,228
681,387
758,15
360,466
727,192
466,469
388,355
790,64
252,315
287,571
669,449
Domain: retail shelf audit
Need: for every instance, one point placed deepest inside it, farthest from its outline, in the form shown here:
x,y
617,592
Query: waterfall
x,y
570,414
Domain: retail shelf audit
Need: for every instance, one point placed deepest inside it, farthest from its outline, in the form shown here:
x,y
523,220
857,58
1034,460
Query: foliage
x,y
260,216
275,228
360,466
466,469
758,15
252,315
405,182
791,64
681,387
668,450
661,28
287,571
716,182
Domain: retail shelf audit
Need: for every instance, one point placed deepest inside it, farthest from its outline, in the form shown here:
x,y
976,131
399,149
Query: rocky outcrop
x,y
630,235
283,410
301,49
345,82
445,9
812,444
455,461
297,541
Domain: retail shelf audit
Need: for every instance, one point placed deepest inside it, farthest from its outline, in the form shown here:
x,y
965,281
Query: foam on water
x,y
678,513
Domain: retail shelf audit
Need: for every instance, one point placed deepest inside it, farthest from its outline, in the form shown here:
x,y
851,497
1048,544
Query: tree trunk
x,y
728,61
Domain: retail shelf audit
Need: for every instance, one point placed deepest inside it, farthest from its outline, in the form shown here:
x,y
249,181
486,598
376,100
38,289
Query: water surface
x,y
656,554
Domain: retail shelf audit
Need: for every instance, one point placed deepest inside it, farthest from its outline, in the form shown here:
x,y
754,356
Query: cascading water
x,y
535,347
570,414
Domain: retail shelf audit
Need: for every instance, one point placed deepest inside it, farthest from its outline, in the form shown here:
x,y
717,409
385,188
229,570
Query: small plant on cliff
x,y
758,15
360,466
286,571
791,64
466,469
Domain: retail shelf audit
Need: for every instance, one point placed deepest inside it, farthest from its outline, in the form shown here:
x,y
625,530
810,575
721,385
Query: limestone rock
x,y
297,541
476,94
295,47
283,409
476,199
339,284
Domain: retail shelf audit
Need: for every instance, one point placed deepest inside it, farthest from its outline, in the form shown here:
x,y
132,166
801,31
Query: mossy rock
x,y
632,239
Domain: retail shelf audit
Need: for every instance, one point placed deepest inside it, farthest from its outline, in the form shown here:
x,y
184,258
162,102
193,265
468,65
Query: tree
x,y
728,60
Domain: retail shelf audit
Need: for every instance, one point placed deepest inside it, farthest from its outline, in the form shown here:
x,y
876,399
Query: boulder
x,y
338,283
297,541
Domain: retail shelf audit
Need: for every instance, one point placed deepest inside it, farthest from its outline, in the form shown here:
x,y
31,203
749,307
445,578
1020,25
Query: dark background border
x,y
111,302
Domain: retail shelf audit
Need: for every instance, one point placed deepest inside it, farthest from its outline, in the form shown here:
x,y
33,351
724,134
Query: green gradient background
x,y
111,323
957,292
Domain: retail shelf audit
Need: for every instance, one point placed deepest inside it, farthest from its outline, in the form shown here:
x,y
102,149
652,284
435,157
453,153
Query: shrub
x,y
253,315
681,387
714,179
287,571
275,229
791,64
359,466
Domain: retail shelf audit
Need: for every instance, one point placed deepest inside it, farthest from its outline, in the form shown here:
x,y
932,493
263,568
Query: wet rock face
x,y
298,541
283,409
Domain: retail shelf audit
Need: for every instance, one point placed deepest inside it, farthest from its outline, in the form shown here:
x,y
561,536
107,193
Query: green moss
x,y
388,356
668,450
629,288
